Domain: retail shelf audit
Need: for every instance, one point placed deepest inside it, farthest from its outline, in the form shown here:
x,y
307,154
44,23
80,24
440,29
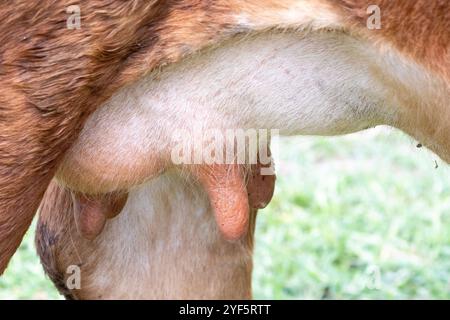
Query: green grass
x,y
366,216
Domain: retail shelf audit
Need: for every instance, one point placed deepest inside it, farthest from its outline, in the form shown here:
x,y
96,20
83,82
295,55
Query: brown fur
x,y
420,29
52,78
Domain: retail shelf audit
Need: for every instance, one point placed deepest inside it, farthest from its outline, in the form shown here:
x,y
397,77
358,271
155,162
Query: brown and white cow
x,y
304,67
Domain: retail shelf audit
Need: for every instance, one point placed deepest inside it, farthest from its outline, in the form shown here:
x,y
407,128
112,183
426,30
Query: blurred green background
x,y
365,216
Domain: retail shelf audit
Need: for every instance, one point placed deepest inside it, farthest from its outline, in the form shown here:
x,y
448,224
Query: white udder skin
x,y
312,84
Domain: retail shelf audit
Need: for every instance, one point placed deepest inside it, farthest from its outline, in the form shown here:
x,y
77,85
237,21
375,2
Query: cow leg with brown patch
x,y
31,145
